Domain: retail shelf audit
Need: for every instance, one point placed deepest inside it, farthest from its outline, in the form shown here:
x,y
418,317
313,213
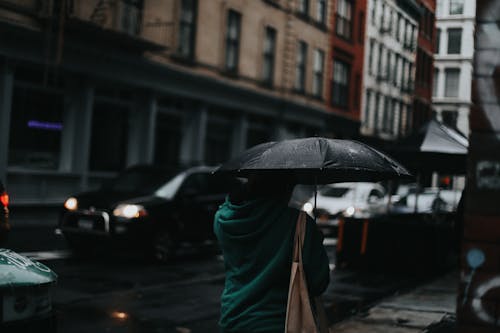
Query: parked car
x,y
146,209
427,200
25,294
358,200
4,214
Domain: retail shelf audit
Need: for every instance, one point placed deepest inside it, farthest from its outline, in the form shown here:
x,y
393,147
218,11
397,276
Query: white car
x,y
429,200
358,200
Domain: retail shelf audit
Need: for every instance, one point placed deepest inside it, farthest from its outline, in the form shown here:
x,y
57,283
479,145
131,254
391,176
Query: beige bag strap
x,y
300,231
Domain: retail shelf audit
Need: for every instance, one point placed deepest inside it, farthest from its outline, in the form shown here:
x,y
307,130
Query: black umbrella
x,y
316,161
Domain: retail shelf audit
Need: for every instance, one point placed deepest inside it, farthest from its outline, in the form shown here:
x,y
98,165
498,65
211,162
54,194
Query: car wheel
x,y
163,246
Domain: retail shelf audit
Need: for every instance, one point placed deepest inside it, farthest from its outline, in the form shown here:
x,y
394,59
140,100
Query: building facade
x,y
90,87
453,62
478,300
390,57
347,57
422,104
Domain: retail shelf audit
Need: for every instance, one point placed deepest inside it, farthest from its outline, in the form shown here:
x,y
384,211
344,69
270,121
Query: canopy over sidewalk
x,y
434,147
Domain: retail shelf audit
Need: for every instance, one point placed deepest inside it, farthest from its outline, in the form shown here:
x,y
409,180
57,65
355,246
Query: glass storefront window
x,y
218,140
168,140
108,148
36,127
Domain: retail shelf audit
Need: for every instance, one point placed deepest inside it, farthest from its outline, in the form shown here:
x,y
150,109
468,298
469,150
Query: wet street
x,y
125,293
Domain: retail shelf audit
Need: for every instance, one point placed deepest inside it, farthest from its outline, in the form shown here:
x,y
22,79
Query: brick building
x,y
389,68
347,57
90,87
422,104
453,62
478,305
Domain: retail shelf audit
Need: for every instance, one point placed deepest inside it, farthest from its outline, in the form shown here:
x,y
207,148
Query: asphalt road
x,y
125,293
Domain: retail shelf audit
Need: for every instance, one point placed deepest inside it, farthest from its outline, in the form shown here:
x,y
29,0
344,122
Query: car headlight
x,y
308,207
349,211
71,204
129,211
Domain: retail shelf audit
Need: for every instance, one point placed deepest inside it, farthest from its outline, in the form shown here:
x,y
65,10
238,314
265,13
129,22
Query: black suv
x,y
4,214
146,209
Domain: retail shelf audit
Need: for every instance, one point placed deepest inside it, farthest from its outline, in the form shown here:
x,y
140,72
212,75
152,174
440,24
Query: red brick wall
x,y
422,109
351,52
481,311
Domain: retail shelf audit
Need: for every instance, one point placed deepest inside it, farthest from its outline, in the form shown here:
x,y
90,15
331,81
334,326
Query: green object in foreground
x,y
256,238
19,271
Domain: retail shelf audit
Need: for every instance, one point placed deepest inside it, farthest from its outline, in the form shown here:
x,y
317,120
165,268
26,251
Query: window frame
x,y
191,26
447,72
269,55
317,89
451,3
232,42
344,20
456,48
338,84
300,67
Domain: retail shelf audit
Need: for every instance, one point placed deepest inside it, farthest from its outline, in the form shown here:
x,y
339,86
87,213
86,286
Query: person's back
x,y
256,238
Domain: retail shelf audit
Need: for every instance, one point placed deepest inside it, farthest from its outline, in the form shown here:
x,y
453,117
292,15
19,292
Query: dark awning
x,y
434,147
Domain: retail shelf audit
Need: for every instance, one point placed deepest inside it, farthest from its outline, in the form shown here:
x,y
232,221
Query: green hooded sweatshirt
x,y
256,238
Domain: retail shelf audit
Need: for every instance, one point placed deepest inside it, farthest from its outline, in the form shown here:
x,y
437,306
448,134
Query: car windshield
x,y
139,180
169,189
334,192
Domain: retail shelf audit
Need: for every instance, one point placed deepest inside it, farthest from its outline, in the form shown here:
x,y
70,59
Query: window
x,y
218,139
168,136
376,109
366,113
36,127
454,41
450,118
303,7
374,12
343,19
395,77
232,40
321,11
340,84
438,41
110,126
386,124
370,56
397,31
131,16
456,7
435,82
379,62
187,29
318,68
452,76
388,67
268,56
300,69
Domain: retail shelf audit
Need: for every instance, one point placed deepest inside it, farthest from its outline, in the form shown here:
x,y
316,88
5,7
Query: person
x,y
255,228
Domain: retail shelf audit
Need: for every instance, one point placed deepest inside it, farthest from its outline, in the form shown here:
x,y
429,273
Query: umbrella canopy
x,y
434,147
315,161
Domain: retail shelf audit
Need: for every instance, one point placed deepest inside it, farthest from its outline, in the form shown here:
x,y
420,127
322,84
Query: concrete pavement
x,y
428,308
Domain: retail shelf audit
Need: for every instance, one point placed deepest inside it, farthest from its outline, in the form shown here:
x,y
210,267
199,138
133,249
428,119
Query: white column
x,y
194,135
240,133
6,87
77,130
142,129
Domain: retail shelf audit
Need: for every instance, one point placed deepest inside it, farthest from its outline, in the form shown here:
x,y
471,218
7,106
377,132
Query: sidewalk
x,y
428,308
